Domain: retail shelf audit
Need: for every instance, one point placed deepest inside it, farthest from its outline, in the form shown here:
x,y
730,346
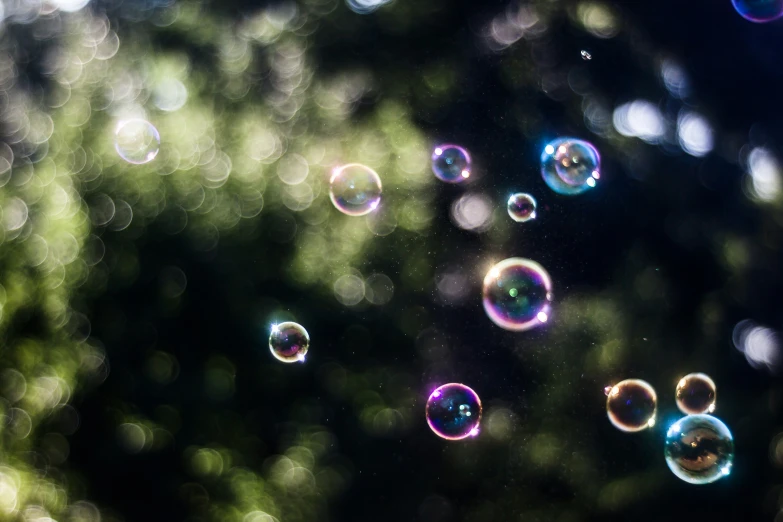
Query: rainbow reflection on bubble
x,y
355,189
570,166
695,393
699,449
631,405
451,163
136,141
517,294
759,11
289,342
521,207
454,412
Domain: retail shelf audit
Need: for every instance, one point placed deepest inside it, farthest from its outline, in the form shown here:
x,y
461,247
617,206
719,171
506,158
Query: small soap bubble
x,y
586,55
454,412
289,342
517,294
136,141
696,394
759,11
631,405
570,166
699,449
355,189
521,207
451,163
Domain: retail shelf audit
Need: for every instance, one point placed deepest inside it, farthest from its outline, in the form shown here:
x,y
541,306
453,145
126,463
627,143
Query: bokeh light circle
x,y
289,342
454,411
355,189
521,207
759,11
136,141
631,405
696,394
570,166
451,163
699,449
517,294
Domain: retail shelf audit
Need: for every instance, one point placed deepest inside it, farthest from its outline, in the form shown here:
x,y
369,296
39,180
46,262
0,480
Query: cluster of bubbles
x,y
570,166
355,189
454,412
289,342
759,11
517,294
521,207
136,141
451,163
699,448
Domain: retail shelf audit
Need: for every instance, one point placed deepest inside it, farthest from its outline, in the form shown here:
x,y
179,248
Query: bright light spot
x,y
726,470
596,174
301,357
436,394
607,390
465,173
711,408
765,174
651,422
675,428
590,182
640,119
474,432
542,317
549,149
695,134
274,328
438,151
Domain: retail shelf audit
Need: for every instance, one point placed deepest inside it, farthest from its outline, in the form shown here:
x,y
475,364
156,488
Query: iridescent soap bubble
x,y
759,11
355,189
289,342
699,449
451,163
521,207
696,394
136,141
517,294
631,405
454,412
570,166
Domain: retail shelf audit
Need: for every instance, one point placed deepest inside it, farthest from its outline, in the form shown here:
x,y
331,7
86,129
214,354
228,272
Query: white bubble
x,y
136,141
169,95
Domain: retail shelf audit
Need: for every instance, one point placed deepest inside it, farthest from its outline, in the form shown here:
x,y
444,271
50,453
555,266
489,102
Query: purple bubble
x,y
451,163
759,11
454,412
517,294
289,342
521,207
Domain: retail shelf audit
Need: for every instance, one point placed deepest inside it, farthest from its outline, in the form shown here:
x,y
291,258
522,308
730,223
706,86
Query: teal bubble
x,y
570,166
699,449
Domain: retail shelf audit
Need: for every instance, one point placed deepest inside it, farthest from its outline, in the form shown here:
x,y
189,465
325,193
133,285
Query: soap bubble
x,y
759,11
699,449
696,394
451,163
631,405
570,166
136,141
289,342
355,189
517,294
521,207
454,411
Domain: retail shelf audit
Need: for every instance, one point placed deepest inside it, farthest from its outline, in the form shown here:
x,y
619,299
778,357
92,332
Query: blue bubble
x,y
451,163
759,11
699,449
570,166
454,411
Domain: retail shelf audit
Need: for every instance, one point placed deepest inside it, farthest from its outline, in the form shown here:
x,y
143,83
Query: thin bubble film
x,y
289,342
696,394
631,405
759,11
454,411
521,207
451,163
570,166
517,294
355,189
136,141
699,449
